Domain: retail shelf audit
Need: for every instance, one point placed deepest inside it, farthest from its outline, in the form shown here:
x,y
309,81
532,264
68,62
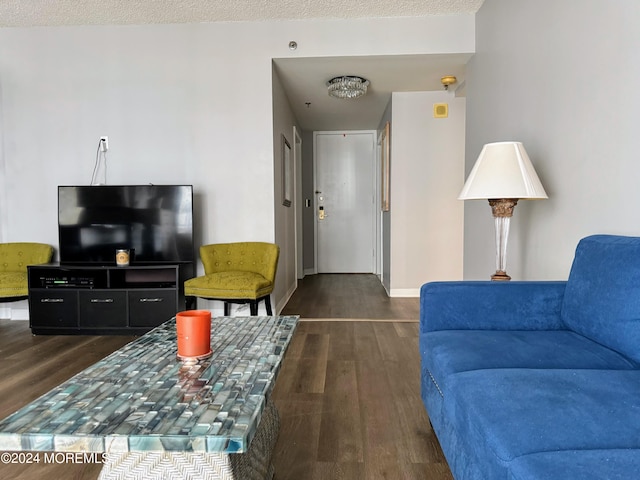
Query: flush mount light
x,y
347,86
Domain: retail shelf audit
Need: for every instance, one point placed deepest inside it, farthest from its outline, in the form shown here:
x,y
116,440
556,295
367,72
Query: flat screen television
x,y
154,222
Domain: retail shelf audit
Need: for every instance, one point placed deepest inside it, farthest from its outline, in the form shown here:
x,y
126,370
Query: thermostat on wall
x,y
440,110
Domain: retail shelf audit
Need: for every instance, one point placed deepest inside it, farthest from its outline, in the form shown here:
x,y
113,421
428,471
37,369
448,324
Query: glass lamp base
x,y
502,209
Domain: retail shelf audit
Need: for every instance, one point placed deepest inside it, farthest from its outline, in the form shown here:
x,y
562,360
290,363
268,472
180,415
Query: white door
x,y
345,201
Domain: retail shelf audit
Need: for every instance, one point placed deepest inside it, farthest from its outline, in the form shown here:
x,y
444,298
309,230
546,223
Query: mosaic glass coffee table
x,y
153,416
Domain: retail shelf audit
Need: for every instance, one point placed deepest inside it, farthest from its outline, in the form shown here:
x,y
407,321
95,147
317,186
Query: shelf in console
x,y
155,276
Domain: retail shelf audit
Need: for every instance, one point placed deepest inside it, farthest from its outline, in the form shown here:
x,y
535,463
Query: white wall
x,y
283,122
385,217
180,104
172,114
562,78
427,167
308,213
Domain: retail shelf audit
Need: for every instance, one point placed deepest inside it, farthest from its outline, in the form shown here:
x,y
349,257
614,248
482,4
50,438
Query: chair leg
x,y
253,308
227,309
267,304
190,302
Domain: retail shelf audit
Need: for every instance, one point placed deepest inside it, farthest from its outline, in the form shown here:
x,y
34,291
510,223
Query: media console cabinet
x,y
104,300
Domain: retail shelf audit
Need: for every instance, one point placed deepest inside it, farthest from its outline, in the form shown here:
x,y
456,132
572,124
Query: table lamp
x,y
502,174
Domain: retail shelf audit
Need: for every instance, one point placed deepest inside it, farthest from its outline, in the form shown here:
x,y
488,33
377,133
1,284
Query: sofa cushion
x,y
229,285
602,296
452,351
615,464
506,413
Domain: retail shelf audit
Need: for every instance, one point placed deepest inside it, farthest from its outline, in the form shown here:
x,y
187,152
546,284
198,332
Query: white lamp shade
x,y
502,170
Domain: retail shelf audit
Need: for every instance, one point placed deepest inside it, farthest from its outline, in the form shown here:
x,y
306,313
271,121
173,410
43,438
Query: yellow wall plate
x,y
440,110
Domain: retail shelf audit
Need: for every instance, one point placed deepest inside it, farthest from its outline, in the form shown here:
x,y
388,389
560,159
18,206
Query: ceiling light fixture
x,y
347,86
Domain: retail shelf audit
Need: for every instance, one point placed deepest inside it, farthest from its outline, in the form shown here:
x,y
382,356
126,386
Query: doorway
x,y
345,201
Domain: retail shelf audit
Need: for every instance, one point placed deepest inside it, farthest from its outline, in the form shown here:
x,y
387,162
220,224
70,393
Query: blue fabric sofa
x,y
538,380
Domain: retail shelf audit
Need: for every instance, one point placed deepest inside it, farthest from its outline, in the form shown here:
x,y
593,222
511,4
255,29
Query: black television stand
x,y
104,300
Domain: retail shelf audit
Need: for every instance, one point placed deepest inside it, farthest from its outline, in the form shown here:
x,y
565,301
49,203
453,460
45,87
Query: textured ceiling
x,y
24,13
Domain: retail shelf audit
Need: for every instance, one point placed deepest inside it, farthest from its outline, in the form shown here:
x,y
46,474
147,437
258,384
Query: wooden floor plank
x,y
297,447
366,344
342,344
336,471
377,411
340,429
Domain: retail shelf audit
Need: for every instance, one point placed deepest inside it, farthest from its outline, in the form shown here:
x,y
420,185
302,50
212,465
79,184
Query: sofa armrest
x,y
480,305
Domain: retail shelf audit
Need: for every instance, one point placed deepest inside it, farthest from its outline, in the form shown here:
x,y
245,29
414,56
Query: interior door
x,y
345,201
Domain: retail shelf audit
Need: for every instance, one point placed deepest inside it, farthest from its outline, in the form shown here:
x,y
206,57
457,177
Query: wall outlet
x,y
104,143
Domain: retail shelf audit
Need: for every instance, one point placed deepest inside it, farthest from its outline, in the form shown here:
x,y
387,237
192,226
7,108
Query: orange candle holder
x,y
193,331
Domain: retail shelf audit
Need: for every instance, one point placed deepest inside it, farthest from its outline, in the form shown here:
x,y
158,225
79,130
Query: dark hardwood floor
x,y
31,366
349,401
348,296
348,392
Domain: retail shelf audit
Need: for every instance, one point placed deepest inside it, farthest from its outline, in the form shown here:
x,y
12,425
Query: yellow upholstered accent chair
x,y
14,258
242,272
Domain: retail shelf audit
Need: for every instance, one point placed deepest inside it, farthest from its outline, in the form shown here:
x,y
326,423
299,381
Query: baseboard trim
x,y
12,313
405,292
283,301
